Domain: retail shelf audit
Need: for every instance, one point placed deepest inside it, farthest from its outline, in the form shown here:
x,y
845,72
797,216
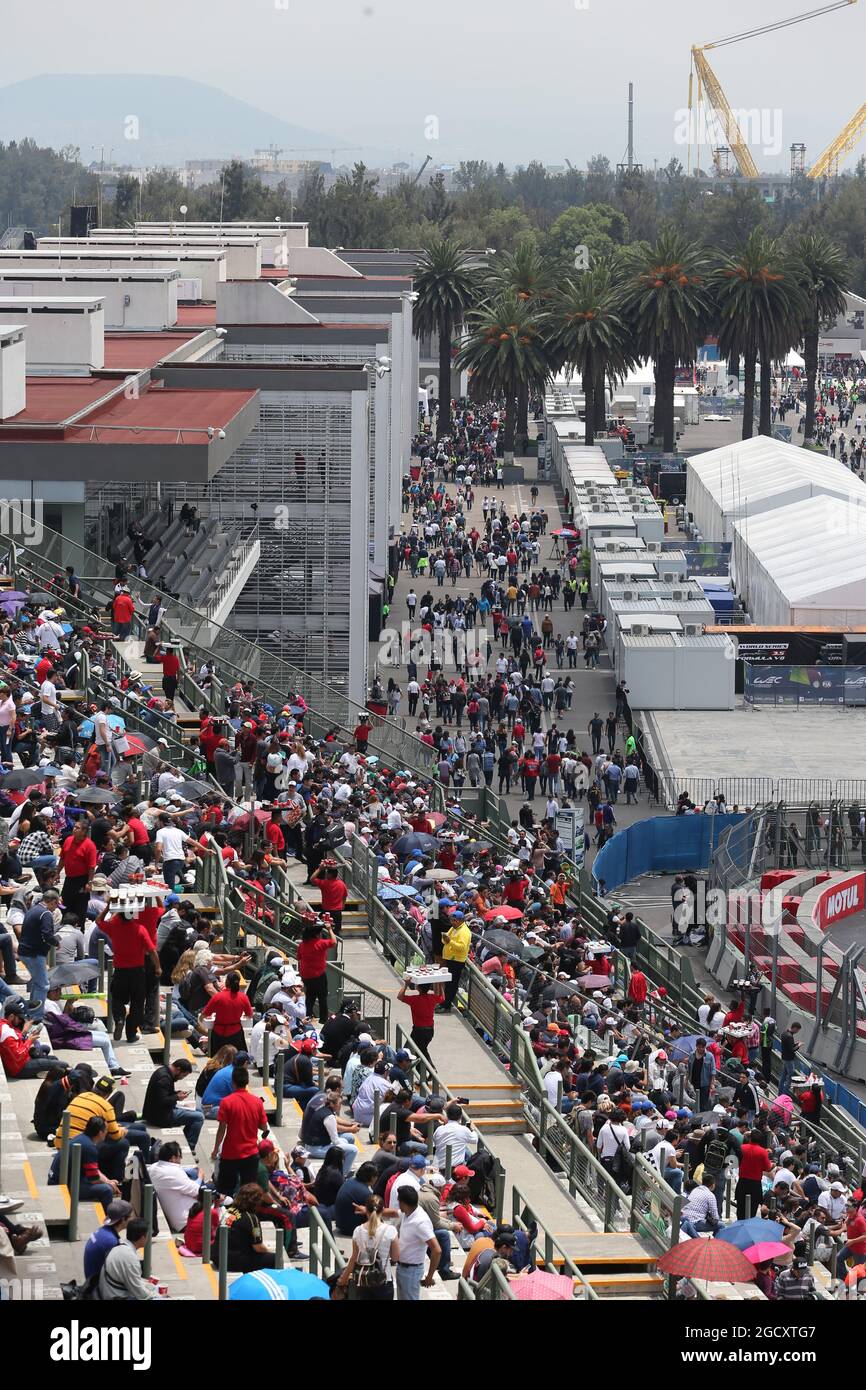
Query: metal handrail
x,y
554,1259
493,1288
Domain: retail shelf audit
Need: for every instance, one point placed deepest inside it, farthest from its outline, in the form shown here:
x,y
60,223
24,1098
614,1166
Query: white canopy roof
x,y
759,475
804,564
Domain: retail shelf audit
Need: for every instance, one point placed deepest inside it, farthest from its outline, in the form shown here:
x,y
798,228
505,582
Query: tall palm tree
x,y
586,331
761,310
668,305
823,271
524,271
447,284
505,351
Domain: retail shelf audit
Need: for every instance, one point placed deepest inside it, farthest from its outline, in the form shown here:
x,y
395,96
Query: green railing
x,y
545,1251
655,1207
493,1288
585,1176
326,1257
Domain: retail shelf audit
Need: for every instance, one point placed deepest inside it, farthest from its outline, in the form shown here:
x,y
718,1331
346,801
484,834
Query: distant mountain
x,y
177,119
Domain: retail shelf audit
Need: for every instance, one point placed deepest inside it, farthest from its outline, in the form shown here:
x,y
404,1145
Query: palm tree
x,y
823,272
667,303
524,271
505,351
761,311
586,331
446,284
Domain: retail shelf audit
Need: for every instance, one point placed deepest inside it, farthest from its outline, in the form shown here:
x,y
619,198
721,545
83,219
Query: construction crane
x,y
843,144
428,160
708,82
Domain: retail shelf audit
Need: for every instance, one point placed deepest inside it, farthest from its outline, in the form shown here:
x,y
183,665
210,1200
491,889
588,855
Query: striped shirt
x,y
82,1108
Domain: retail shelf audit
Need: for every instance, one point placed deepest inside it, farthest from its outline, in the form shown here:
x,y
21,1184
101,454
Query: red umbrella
x,y
511,914
136,746
243,821
435,818
541,1287
708,1259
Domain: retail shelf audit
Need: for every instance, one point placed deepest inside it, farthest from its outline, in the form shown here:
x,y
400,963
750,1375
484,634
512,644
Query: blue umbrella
x,y
115,721
390,891
682,1047
746,1233
279,1286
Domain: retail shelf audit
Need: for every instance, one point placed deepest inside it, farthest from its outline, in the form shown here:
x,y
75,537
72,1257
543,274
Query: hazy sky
x,y
505,79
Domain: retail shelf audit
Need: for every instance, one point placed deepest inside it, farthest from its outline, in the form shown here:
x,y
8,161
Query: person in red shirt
x,y
422,1007
131,946
135,835
122,612
362,734
227,1008
16,1040
240,1118
334,892
78,860
274,834
44,669
515,889
313,949
754,1163
169,660
637,987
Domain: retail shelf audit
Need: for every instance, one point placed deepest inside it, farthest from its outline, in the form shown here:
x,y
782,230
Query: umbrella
x,y
502,940
95,796
767,1250
707,1259
415,842
511,914
440,876
541,1287
12,603
13,595
391,891
436,818
243,821
565,531
140,743
585,982
193,789
22,777
682,1047
115,721
745,1234
73,973
279,1286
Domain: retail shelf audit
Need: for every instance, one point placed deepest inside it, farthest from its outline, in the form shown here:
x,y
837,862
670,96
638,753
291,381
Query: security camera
x,y
221,434
210,431
384,361
413,297
221,332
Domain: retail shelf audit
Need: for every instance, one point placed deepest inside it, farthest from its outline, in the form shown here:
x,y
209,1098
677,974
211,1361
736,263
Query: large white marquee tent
x,y
803,565
757,476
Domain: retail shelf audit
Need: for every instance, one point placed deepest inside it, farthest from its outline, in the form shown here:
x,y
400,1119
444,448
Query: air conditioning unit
x,y
654,547
639,630
629,595
620,578
610,545
668,578
677,595
693,630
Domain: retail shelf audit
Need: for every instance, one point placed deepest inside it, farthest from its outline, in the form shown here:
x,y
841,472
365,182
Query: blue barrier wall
x,y
664,844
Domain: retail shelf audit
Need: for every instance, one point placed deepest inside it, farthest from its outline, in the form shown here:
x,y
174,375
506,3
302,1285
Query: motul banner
x,y
840,899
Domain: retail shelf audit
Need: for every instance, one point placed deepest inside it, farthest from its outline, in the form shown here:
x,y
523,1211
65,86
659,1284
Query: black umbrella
x,y
96,796
192,790
502,940
416,840
22,777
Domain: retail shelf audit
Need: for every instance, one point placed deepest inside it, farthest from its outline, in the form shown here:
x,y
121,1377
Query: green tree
x,y
667,302
125,200
586,331
446,283
823,273
761,309
505,353
598,227
524,272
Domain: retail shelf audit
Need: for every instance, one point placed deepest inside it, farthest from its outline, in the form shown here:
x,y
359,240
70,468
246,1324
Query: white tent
x,y
759,475
803,565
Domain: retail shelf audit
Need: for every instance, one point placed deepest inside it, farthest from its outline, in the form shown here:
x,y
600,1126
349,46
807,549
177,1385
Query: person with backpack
x,y
701,1210
614,1147
103,1240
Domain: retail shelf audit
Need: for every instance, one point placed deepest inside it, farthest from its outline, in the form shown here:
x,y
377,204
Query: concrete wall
x,y
258,301
152,302
70,342
13,372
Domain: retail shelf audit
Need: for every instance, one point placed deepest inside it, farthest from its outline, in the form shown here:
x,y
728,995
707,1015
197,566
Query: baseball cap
x,y
118,1210
300,1153
837,1187
402,1055
417,1161
833,1168
171,899
267,1146
661,1056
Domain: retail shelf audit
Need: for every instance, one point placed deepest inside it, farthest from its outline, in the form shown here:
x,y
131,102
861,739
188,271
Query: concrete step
x,y
502,1108
481,1091
630,1285
503,1125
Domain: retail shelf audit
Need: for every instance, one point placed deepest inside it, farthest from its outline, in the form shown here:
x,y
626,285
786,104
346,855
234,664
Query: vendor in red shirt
x,y
447,856
515,889
333,890
131,946
44,669
422,1006
754,1163
78,859
362,734
122,612
274,834
227,1008
135,835
241,1117
317,939
637,987
170,662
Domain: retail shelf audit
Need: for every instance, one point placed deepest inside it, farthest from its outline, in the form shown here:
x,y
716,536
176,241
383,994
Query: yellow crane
x,y
843,144
708,82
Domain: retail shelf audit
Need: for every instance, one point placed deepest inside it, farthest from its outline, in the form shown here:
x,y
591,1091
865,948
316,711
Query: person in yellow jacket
x,y
114,1146
456,944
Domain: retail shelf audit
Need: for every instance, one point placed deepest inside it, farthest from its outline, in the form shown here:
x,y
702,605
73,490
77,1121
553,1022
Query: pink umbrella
x,y
541,1287
586,982
767,1250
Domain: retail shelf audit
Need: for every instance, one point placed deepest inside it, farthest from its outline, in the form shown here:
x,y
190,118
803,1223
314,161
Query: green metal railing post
x,y
223,1258
266,1054
166,1029
279,1083
100,956
65,1123
206,1232
147,1215
109,1015
377,1108
499,1187
74,1189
